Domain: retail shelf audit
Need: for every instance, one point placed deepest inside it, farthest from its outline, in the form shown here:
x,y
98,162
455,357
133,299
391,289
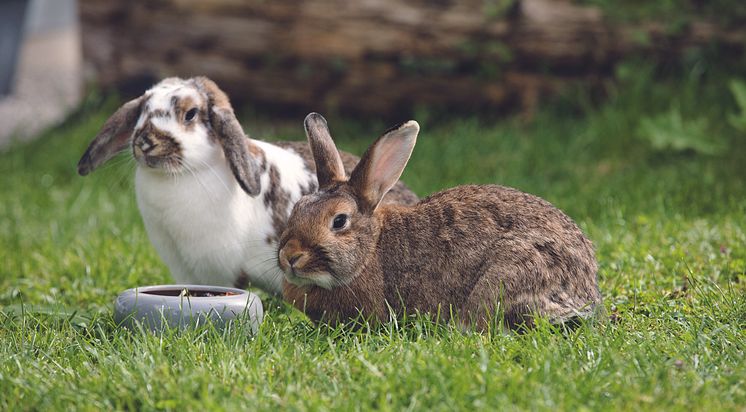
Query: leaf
x,y
738,120
671,132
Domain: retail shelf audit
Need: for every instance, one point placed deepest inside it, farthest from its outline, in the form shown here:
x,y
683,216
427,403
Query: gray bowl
x,y
181,306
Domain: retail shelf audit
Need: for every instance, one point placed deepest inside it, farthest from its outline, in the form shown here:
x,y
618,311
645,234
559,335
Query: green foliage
x,y
668,229
670,131
738,120
495,9
675,14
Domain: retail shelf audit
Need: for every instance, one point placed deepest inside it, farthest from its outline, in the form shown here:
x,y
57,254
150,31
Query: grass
x,y
669,228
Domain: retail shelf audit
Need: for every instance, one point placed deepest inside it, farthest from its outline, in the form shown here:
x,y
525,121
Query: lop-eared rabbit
x,y
470,251
213,201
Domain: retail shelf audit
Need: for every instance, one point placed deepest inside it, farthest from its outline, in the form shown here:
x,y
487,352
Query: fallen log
x,y
372,57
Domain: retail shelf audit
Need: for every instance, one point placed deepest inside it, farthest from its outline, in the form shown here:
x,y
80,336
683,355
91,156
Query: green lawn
x,y
669,227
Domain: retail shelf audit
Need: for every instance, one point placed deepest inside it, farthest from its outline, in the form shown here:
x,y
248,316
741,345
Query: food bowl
x,y
181,306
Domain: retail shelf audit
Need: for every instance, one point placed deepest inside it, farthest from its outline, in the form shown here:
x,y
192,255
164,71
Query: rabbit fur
x,y
213,201
470,252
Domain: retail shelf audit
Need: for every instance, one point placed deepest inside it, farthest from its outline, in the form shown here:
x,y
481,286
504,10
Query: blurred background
x,y
40,66
382,59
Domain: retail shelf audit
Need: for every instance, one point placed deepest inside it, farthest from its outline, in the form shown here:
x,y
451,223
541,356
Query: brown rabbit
x,y
471,251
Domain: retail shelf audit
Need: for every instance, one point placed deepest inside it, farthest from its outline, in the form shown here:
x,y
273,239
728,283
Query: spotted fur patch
x,y
242,281
158,148
277,200
159,113
258,154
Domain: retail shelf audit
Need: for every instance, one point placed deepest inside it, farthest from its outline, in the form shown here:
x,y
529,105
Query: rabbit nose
x,y
144,143
293,259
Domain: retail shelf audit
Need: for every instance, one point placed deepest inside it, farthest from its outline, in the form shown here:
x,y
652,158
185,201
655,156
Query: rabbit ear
x,y
382,164
230,134
329,167
114,137
245,167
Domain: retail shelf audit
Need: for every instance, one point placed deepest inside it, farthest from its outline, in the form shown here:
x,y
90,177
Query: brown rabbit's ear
x,y
114,137
382,164
329,167
230,134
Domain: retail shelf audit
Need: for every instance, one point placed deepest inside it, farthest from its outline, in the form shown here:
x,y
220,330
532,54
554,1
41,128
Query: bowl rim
x,y
146,292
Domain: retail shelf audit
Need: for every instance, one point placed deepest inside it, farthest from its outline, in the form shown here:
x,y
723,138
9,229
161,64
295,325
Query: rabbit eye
x,y
340,221
190,114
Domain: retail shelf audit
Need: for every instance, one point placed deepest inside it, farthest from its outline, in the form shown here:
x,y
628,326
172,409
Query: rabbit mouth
x,y
322,279
168,162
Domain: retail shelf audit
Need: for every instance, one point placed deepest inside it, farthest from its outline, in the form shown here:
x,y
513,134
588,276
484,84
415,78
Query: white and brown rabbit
x,y
472,251
214,202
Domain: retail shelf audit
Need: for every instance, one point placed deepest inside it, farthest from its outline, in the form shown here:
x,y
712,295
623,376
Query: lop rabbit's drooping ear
x,y
114,137
232,138
329,166
382,164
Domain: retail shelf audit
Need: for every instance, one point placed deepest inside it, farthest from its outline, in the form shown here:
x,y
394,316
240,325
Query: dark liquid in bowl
x,y
189,292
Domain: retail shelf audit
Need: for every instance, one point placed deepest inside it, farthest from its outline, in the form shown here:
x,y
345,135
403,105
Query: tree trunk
x,y
372,57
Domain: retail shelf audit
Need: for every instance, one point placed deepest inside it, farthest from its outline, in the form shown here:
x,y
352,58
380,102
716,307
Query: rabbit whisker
x,y
210,193
215,173
271,259
272,273
343,284
121,170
